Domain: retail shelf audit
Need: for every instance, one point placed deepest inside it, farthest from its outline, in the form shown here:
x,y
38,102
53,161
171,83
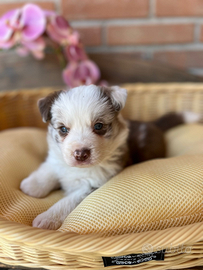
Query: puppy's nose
x,y
82,154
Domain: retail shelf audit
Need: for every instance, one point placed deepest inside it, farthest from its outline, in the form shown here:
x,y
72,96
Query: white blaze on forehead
x,y
79,105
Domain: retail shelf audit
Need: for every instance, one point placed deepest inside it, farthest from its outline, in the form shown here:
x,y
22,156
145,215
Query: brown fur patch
x,y
104,131
45,104
169,120
100,132
145,144
109,131
106,92
146,140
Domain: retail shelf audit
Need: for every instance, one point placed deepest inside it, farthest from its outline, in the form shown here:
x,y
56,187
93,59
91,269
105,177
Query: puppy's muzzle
x,y
82,154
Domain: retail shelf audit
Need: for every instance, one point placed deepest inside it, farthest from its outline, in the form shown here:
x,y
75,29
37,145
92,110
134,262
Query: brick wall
x,y
168,31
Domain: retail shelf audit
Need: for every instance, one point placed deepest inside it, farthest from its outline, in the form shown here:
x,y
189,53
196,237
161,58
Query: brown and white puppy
x,y
88,144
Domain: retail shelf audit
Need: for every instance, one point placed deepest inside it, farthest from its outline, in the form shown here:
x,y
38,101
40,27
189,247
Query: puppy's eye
x,y
64,130
98,126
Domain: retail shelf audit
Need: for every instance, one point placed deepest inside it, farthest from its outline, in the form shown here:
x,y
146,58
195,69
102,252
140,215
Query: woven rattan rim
x,y
103,246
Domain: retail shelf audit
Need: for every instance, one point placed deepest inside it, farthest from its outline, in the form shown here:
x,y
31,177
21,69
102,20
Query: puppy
x,y
89,143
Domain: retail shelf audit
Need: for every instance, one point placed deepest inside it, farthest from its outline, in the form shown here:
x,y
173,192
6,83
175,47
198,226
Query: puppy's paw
x,y
31,187
47,221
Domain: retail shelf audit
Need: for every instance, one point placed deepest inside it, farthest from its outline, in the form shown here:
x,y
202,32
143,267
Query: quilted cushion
x,y
22,151
153,195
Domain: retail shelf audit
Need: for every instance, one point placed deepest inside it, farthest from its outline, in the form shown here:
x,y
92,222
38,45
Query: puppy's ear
x,y
45,105
117,95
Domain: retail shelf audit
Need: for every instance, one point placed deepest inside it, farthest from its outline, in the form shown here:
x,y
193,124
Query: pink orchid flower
x,y
85,72
29,27
58,29
36,47
7,24
75,53
33,22
74,38
25,24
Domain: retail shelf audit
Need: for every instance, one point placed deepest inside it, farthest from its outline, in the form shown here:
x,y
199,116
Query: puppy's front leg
x,y
53,218
41,182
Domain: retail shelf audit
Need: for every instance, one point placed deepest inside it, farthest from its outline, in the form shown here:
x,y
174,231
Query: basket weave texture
x,y
31,247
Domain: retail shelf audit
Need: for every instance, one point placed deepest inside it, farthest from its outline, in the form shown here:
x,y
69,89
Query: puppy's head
x,y
85,122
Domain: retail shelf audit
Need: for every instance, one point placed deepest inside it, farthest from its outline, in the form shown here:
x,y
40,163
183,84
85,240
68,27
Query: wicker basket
x,y
31,247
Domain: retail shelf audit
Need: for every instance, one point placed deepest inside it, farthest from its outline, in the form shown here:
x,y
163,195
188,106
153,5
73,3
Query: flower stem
x,y
59,52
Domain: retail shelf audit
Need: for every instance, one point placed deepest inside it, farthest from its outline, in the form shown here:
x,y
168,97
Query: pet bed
x,y
168,216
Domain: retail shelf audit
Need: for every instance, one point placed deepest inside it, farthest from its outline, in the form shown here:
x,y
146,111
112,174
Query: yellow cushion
x,y
150,196
153,195
185,139
22,150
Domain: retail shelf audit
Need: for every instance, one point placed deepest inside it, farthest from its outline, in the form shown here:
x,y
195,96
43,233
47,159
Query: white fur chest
x,y
71,177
